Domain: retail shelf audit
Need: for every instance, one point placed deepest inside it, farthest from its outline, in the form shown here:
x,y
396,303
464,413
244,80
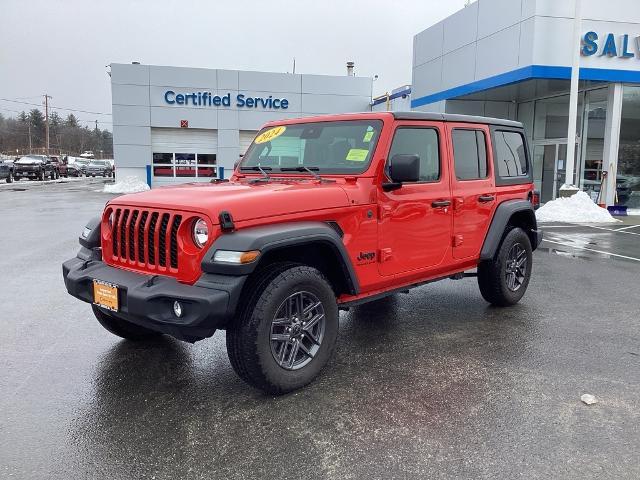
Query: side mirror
x,y
402,168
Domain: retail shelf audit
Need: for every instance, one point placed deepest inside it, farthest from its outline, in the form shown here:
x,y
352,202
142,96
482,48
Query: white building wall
x,y
494,37
139,105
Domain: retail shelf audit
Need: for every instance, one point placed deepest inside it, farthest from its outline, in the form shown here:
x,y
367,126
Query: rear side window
x,y
469,154
422,142
511,159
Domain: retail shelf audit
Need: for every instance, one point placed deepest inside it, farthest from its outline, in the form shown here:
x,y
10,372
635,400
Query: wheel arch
x,y
316,244
511,213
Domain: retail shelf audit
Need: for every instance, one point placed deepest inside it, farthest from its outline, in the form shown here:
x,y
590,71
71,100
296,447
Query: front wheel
x,y
122,328
504,280
10,177
287,331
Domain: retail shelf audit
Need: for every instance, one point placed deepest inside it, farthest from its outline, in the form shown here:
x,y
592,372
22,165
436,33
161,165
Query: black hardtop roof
x,y
452,117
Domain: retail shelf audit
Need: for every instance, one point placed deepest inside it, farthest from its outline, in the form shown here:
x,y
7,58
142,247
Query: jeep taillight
x,y
534,197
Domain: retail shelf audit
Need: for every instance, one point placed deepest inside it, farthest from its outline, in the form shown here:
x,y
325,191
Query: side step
x,y
461,275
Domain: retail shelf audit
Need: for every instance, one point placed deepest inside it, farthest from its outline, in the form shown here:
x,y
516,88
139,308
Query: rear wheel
x,y
41,176
122,328
10,177
287,332
504,280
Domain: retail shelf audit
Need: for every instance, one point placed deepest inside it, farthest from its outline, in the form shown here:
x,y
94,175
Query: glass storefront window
x,y
592,147
628,177
552,117
184,165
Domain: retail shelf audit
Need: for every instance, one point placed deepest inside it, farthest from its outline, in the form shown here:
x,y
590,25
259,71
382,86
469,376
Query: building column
x,y
612,140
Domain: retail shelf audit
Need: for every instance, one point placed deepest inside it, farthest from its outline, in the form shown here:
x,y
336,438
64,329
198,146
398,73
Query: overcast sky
x,y
62,47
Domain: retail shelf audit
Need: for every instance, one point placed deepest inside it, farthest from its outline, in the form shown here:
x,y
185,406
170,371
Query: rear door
x,y
415,220
473,187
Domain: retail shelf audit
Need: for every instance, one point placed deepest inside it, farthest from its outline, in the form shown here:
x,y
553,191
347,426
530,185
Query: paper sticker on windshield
x,y
368,135
357,155
270,134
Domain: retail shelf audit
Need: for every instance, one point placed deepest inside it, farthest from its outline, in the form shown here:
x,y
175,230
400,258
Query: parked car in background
x,y
6,170
73,170
58,165
36,167
87,154
81,164
99,167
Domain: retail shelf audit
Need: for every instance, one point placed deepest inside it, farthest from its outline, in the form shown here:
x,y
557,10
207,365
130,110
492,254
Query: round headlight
x,y
200,233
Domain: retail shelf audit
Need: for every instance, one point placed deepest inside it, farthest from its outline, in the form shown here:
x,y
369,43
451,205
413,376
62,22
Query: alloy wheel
x,y
516,268
297,330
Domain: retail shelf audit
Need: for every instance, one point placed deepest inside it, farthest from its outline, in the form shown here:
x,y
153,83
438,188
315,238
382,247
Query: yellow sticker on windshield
x,y
368,136
357,154
270,134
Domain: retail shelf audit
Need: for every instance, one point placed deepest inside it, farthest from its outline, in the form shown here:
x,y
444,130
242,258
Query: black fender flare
x,y
92,230
500,220
268,238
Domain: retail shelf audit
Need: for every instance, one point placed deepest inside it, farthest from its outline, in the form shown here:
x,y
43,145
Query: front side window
x,y
511,158
469,154
422,142
328,147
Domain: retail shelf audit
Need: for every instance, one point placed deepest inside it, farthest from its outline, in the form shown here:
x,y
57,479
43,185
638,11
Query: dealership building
x,y
175,125
512,59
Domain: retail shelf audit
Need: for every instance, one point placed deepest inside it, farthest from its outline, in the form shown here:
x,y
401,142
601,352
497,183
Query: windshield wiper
x,y
262,170
302,168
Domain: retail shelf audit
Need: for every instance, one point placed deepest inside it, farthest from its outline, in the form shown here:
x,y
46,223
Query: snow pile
x,y
128,185
578,208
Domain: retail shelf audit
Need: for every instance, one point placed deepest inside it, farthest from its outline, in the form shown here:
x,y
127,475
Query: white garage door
x,y
246,137
183,155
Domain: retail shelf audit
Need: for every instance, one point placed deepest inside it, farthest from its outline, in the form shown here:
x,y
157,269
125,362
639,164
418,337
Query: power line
x,y
59,108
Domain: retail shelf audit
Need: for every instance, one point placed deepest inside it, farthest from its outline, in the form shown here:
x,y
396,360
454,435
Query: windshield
x,y
99,164
29,160
325,147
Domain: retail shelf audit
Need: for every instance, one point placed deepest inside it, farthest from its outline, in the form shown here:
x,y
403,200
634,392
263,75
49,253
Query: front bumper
x,y
147,300
23,172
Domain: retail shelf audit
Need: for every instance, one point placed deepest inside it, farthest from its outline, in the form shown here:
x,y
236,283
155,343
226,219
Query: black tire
x,y
41,176
121,328
249,343
10,177
494,285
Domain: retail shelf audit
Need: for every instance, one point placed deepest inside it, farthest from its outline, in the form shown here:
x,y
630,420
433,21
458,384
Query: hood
x,y
243,200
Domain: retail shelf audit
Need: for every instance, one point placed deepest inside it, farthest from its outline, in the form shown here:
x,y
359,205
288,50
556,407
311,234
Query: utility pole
x,y
29,135
573,98
46,120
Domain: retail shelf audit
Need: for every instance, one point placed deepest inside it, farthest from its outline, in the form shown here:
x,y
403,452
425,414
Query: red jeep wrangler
x,y
321,214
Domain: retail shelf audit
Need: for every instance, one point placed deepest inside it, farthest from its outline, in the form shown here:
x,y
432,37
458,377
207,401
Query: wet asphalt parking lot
x,y
432,384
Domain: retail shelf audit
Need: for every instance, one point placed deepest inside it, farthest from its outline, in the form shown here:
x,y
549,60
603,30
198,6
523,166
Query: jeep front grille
x,y
146,238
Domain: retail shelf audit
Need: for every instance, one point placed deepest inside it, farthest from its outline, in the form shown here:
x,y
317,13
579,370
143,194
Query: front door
x,y
552,156
472,187
415,220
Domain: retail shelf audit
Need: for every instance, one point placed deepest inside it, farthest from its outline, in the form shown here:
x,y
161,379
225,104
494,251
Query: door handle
x,y
486,198
441,203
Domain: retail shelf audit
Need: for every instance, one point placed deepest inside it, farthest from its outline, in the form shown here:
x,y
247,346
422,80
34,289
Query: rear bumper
x,y
537,238
147,300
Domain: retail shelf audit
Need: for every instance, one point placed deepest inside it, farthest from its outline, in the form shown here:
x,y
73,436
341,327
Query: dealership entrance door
x,y
549,166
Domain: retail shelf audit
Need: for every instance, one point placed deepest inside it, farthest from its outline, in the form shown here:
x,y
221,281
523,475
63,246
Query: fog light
x,y
177,309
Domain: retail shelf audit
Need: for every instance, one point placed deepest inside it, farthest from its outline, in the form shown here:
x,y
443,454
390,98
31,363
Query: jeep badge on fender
x,y
272,255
